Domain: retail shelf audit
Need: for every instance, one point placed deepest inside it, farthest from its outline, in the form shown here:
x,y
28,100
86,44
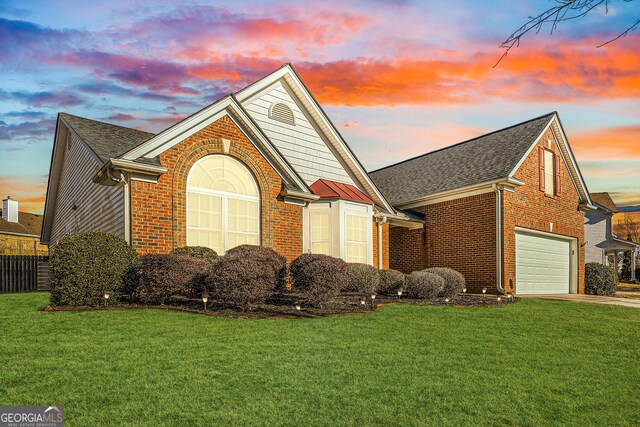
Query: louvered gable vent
x,y
282,113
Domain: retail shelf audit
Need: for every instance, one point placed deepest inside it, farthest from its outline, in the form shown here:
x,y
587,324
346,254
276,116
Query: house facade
x,y
19,231
601,244
505,209
262,166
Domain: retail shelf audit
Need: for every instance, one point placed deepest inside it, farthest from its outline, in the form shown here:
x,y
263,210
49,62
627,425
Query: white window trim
x,y
225,196
338,210
549,184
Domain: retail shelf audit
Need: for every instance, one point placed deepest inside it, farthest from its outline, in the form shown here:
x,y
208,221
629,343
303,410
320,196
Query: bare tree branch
x,y
564,10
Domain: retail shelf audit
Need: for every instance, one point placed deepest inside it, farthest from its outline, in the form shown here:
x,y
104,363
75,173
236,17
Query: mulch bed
x,y
284,306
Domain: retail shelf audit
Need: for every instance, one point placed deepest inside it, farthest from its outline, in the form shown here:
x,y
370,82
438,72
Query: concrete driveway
x,y
591,299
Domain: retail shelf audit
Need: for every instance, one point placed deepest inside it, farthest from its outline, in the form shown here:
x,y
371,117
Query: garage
x,y
543,263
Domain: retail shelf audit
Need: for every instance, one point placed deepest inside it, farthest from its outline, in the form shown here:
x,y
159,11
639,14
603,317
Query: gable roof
x,y
327,129
604,200
482,159
327,189
28,224
106,140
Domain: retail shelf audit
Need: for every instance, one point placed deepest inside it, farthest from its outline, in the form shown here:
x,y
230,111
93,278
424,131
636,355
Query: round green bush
x,y
453,281
362,278
390,282
267,258
197,252
240,281
424,285
85,266
319,277
163,277
600,279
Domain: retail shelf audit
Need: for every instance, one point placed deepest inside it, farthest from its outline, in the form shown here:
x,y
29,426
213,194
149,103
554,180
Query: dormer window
x,y
282,113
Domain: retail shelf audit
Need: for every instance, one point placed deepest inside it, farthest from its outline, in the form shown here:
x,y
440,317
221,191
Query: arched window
x,y
223,204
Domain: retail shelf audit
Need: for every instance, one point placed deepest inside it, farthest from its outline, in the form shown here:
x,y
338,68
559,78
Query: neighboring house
x,y
19,231
262,166
602,245
506,209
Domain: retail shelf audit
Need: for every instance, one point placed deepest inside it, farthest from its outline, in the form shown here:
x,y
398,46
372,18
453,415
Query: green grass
x,y
532,363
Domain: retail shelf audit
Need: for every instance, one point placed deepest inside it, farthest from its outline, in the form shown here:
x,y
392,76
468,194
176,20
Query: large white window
x,y
321,233
357,241
549,173
223,204
339,228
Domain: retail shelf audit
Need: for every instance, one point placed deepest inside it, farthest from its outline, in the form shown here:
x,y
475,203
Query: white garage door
x,y
542,264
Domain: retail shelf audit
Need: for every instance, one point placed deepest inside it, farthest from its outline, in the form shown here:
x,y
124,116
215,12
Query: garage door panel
x,y
542,264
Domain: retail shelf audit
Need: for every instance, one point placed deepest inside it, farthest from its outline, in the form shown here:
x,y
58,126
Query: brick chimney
x,y
10,209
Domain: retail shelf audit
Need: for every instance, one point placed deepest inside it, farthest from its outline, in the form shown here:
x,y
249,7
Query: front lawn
x,y
534,363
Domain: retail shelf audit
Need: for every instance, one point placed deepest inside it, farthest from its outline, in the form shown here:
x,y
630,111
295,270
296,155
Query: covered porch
x,y
622,256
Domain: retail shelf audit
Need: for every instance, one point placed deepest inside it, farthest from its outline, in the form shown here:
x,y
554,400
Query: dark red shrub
x,y
267,257
318,277
240,281
162,277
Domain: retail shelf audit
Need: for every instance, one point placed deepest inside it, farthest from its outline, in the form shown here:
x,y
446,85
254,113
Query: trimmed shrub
x,y
197,252
600,279
424,285
240,281
162,277
267,258
318,277
85,266
362,278
453,281
390,281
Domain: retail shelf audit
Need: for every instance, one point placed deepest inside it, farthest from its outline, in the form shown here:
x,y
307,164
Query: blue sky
x,y
398,78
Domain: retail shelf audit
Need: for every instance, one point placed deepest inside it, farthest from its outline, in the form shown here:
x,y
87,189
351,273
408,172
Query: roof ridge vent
x,y
282,112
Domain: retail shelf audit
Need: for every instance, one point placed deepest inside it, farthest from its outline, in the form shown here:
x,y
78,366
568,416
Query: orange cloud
x,y
607,143
30,195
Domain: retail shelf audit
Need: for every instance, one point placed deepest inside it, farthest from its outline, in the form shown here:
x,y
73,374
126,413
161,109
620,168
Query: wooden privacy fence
x,y
19,273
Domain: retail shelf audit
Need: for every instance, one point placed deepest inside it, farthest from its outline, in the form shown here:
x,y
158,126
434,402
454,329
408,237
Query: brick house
x,y
506,209
19,231
262,166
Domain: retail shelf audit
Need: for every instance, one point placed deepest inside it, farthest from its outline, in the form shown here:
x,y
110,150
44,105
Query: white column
x,y
633,265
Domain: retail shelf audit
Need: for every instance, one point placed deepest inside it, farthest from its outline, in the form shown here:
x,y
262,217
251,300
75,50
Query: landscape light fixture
x,y
298,307
205,298
373,300
106,297
399,293
484,291
499,300
464,290
363,301
446,300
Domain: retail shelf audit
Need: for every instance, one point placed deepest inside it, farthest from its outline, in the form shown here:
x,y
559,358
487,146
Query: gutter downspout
x,y
379,222
127,207
498,239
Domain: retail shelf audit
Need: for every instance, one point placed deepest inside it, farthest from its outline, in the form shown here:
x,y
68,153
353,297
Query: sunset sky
x,y
398,78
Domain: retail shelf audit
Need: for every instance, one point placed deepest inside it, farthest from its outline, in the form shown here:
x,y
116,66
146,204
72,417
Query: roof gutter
x,y
298,197
105,175
508,183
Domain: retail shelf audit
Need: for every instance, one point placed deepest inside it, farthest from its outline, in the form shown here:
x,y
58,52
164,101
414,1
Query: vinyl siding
x,y
300,144
597,226
99,207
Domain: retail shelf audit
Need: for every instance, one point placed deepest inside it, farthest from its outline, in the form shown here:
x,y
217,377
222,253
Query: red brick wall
x,y
528,207
385,245
158,211
459,234
406,249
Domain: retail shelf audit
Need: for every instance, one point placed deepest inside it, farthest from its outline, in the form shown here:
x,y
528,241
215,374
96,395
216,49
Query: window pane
x,y
356,228
356,252
549,173
322,248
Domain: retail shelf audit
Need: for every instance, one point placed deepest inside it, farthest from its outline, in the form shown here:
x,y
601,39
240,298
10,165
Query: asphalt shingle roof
x,y
28,223
107,140
481,159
